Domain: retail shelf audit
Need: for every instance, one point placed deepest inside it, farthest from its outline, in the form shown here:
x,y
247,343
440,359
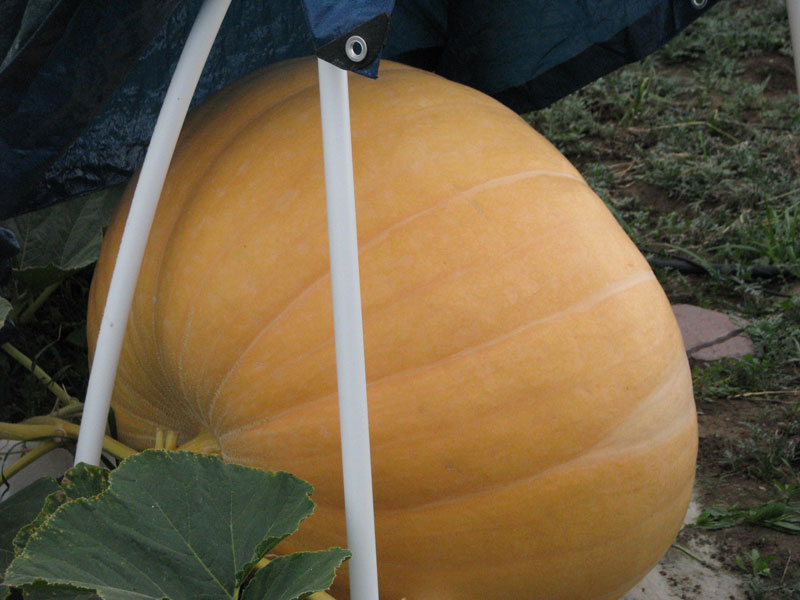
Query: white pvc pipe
x,y
793,8
348,331
137,227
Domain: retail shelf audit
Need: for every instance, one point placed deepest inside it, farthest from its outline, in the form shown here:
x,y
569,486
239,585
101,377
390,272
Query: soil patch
x,y
776,69
724,426
655,197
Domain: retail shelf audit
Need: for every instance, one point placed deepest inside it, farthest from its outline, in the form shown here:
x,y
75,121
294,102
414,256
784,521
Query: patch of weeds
x,y
788,492
700,122
757,568
733,33
729,377
772,450
773,515
776,366
777,336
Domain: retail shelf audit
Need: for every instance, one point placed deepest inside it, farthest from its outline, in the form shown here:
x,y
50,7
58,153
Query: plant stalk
x,y
72,409
39,373
29,457
37,303
53,427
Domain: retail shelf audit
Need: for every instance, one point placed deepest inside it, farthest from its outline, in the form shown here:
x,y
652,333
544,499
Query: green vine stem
x,y
54,428
39,373
73,409
38,301
29,457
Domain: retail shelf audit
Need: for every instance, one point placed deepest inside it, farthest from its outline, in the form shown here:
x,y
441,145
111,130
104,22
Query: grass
x,y
708,158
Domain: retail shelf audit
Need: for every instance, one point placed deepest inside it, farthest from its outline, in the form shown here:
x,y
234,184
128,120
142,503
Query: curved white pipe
x,y
348,331
137,228
793,8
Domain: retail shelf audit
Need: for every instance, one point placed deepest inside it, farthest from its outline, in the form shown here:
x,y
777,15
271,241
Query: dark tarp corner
x,y
81,81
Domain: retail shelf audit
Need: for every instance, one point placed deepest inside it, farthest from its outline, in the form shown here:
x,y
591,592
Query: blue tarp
x,y
81,81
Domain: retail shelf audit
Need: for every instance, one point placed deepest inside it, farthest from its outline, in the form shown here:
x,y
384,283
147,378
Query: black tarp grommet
x,y
359,48
699,4
356,48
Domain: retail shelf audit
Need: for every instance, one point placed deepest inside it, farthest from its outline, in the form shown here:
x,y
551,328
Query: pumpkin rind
x,y
531,411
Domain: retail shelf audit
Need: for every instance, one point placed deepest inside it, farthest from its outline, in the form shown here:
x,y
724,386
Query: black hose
x,y
692,267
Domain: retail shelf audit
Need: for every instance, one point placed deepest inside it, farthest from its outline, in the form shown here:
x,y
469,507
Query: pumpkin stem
x,y
171,440
203,443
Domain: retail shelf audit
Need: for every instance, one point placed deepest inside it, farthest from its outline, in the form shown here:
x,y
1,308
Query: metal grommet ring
x,y
698,4
356,48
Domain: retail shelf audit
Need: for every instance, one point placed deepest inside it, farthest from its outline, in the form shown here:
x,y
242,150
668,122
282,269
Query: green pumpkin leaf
x,y
61,239
296,575
19,510
170,525
81,481
42,591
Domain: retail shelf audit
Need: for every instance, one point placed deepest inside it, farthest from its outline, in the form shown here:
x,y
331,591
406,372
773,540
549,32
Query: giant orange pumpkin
x,y
532,419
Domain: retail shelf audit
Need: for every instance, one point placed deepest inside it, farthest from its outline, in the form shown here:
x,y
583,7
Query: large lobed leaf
x,y
81,481
296,575
176,525
61,239
43,591
19,510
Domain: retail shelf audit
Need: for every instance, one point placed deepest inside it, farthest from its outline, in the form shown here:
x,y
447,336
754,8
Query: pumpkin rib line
x,y
273,320
130,414
195,300
191,192
152,403
465,194
374,240
128,381
598,449
182,351
141,419
644,405
479,561
192,405
590,453
669,500
179,396
583,305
